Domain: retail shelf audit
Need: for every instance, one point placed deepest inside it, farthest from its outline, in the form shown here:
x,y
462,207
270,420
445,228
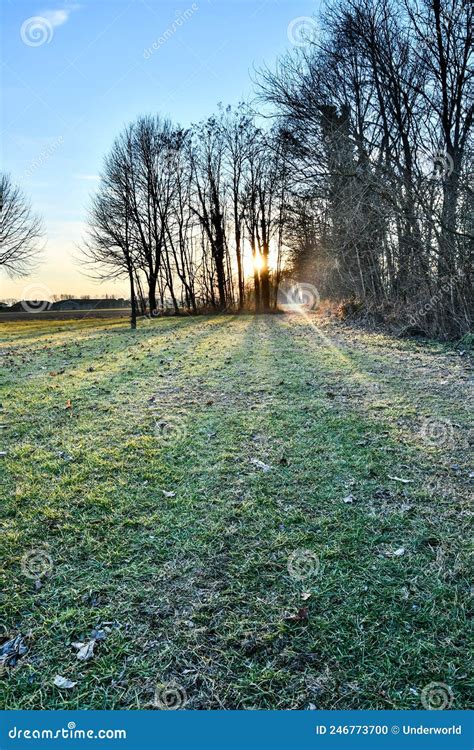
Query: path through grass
x,y
224,498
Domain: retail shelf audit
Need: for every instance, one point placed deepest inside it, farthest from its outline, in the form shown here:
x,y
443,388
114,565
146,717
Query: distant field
x,y
266,512
63,315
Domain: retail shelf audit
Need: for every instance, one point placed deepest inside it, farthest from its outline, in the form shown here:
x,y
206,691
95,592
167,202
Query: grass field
x,y
260,512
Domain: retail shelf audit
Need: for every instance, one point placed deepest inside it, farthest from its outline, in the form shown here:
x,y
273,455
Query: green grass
x,y
195,586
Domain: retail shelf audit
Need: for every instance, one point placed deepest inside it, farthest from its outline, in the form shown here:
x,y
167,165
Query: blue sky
x,y
73,78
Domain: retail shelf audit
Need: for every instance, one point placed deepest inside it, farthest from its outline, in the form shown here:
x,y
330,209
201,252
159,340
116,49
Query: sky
x,y
74,73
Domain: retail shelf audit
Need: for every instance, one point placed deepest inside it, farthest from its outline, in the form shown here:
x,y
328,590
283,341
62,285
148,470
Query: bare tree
x,y
112,247
20,230
444,35
239,131
210,198
151,140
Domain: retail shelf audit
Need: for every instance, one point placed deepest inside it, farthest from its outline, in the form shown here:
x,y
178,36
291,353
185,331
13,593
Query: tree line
x,y
378,112
176,208
356,177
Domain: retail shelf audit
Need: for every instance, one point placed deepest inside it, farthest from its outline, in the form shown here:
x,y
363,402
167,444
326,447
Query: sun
x,y
257,262
251,263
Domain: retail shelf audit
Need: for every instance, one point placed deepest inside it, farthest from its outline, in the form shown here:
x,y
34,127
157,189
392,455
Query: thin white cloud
x,y
58,16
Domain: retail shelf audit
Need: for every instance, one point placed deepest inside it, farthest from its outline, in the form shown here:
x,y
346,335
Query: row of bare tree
x,y
177,209
377,112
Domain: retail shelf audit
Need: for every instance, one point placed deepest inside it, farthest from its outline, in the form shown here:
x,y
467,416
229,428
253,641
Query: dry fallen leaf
x,y
63,682
68,404
85,650
12,650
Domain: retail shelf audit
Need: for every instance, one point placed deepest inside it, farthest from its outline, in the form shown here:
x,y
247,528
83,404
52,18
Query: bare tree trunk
x,y
238,255
133,299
